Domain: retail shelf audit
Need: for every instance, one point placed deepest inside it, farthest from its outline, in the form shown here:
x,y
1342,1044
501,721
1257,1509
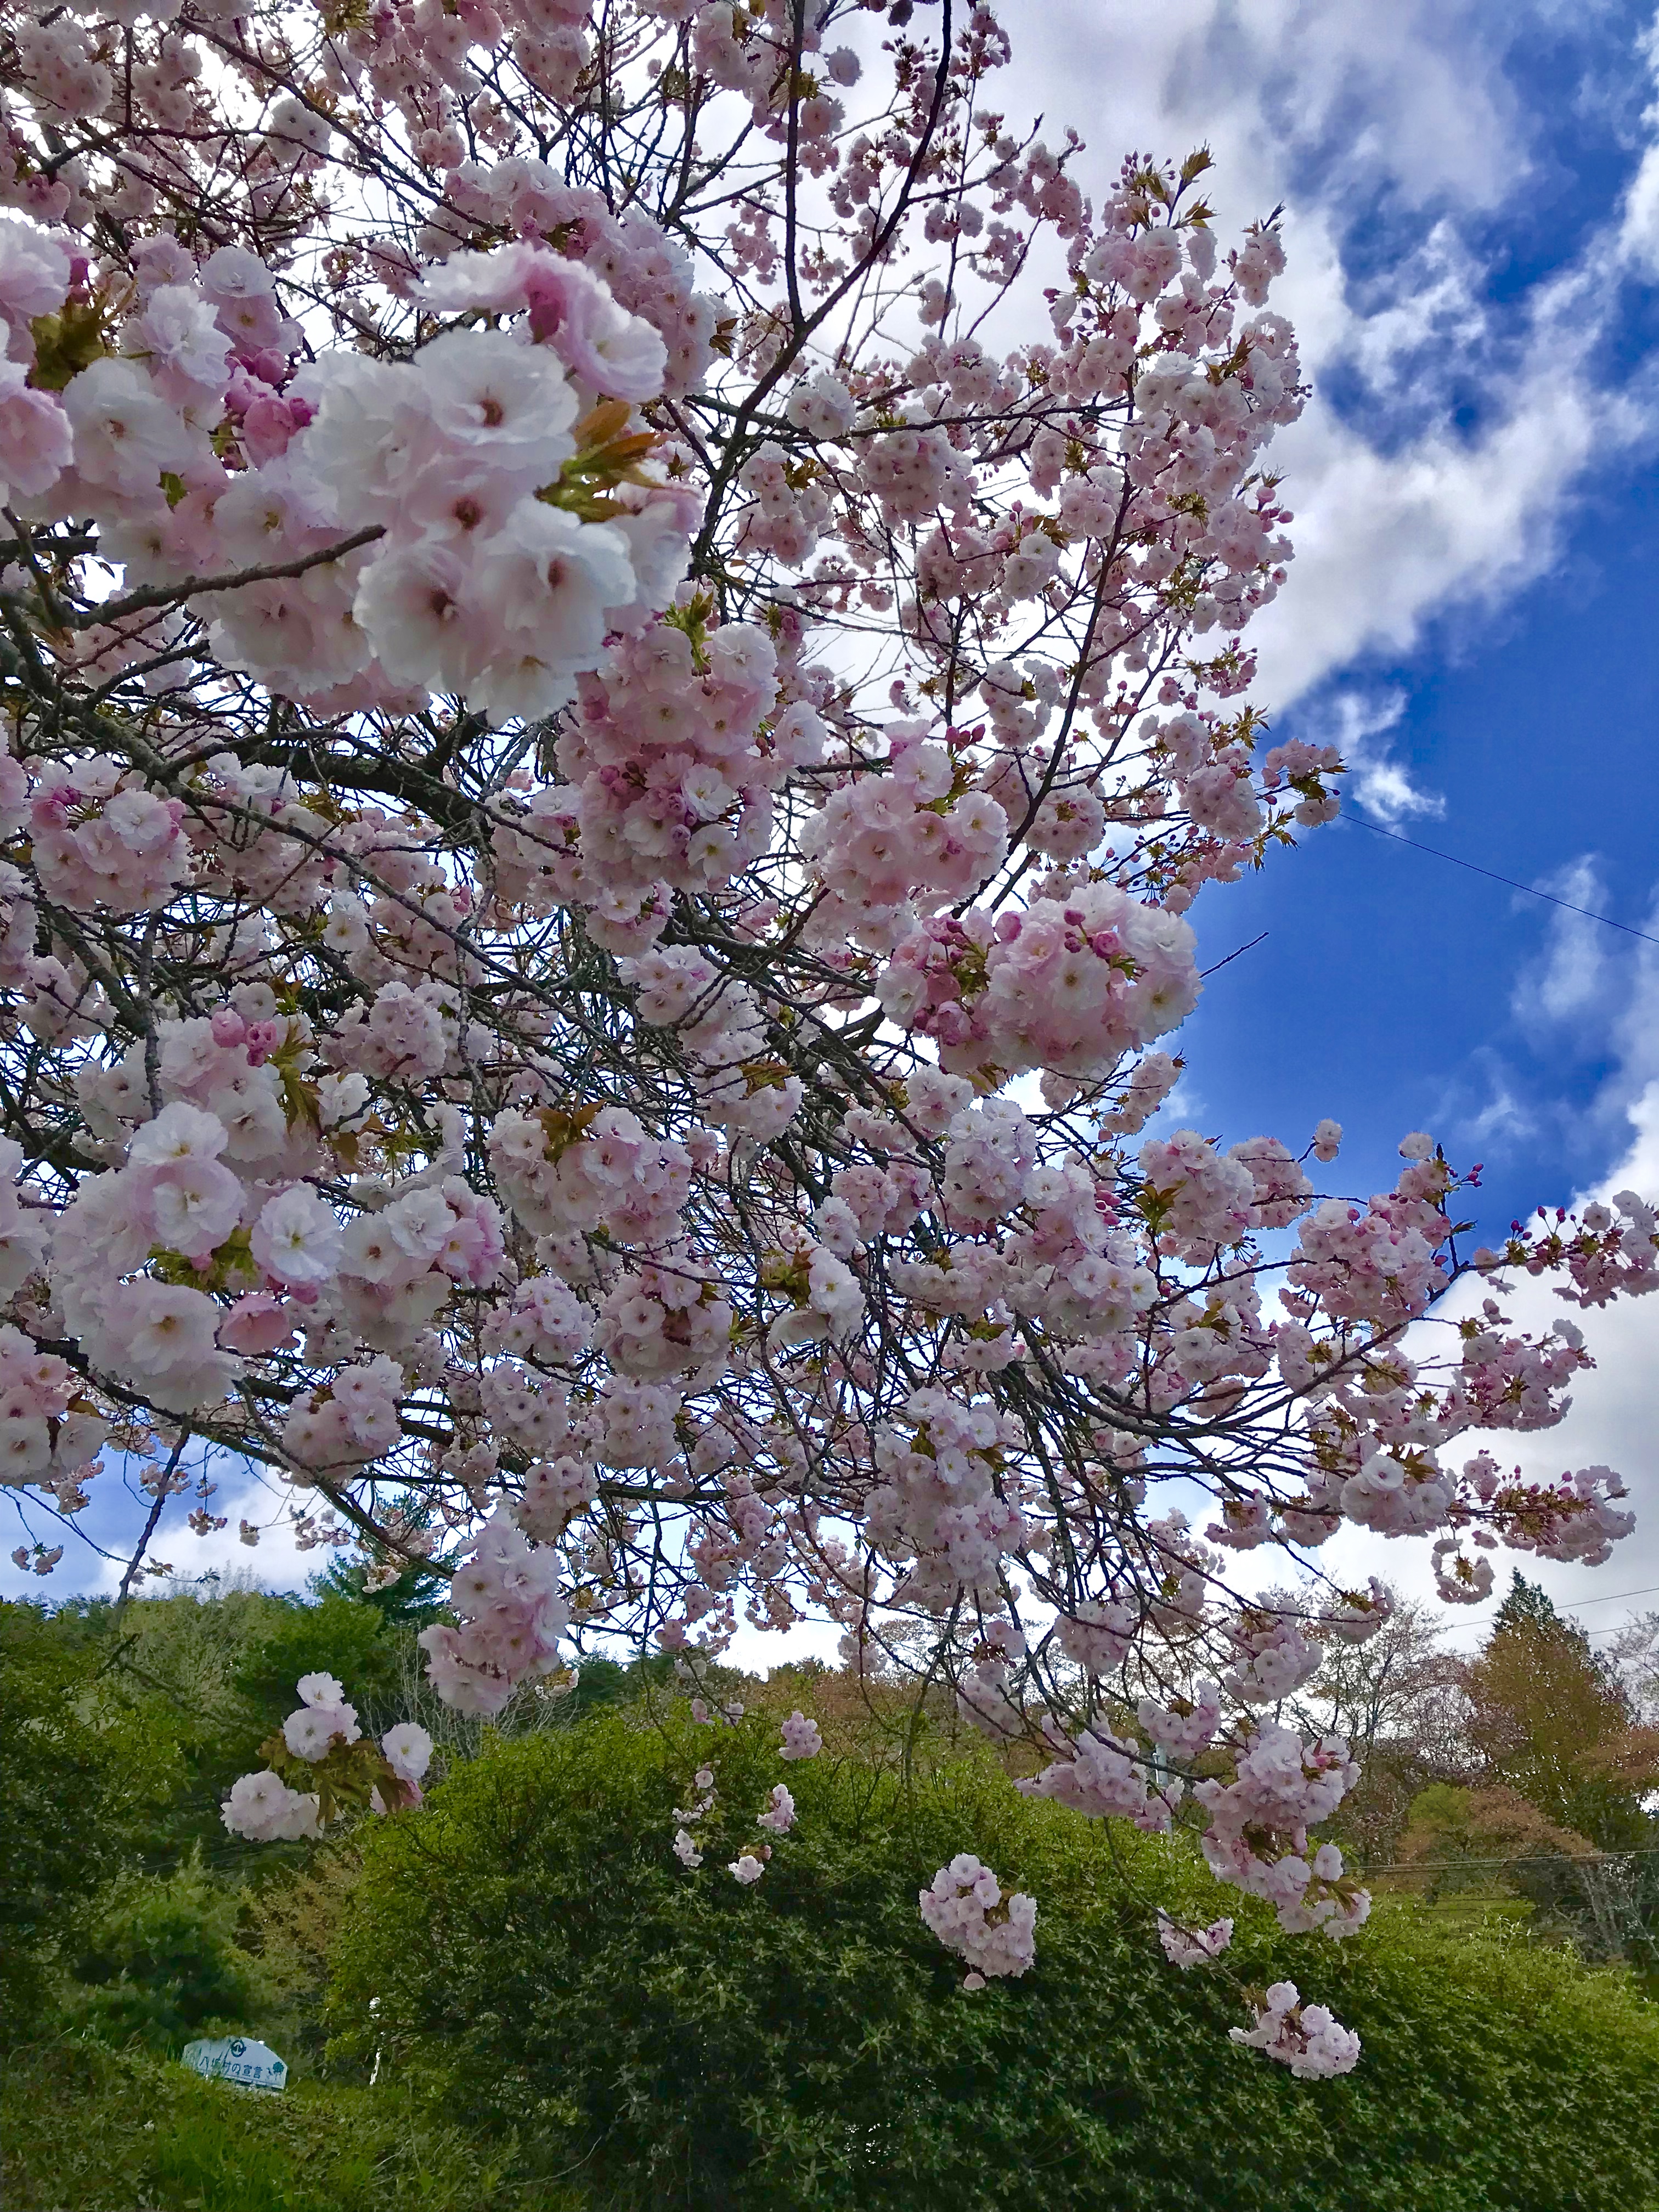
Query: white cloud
x,y
1357,724
1587,997
1402,120
1638,236
276,1563
1573,976
1600,986
758,1652
1504,1118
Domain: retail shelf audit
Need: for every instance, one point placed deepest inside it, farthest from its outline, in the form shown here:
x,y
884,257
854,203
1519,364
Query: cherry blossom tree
x,y
623,657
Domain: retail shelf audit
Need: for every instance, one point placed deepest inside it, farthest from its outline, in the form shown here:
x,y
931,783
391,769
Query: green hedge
x,y
542,1963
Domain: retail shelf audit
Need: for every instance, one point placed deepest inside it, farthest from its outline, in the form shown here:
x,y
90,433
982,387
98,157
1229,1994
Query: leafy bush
x,y
66,1785
287,1924
204,1679
157,1961
540,1959
152,1692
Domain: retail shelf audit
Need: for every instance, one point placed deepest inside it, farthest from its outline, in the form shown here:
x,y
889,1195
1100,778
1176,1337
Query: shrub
x,y
157,1961
58,1774
540,1958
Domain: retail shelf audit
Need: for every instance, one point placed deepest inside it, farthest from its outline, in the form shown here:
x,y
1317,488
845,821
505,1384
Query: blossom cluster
x,y
1306,2037
665,784
965,1908
801,1738
1070,987
1187,1947
510,1604
1285,1784
423,516
320,1742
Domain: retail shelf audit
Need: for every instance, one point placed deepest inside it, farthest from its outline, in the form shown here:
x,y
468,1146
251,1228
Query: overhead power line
x,y
1531,891
1613,1597
1518,1858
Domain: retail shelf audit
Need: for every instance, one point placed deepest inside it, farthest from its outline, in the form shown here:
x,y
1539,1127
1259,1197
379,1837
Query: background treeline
x,y
518,1990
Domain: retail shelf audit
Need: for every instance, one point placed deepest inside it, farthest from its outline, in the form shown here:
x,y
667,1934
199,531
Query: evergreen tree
x,y
1549,1721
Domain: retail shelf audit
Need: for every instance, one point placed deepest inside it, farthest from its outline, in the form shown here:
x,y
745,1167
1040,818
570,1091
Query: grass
x,y
87,2129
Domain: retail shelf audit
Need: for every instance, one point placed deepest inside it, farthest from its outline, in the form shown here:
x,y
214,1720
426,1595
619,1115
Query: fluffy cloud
x,y
1359,723
1638,236
275,1563
1450,431
1574,976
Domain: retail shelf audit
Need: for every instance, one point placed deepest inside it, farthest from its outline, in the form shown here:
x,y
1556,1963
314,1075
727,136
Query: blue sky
x,y
1518,724
1471,198
1395,990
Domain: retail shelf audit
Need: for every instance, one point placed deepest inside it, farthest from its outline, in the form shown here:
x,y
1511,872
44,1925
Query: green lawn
x,y
90,2130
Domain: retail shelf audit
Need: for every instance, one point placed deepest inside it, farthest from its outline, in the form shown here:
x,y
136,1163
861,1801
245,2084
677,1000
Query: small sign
x,y
232,2059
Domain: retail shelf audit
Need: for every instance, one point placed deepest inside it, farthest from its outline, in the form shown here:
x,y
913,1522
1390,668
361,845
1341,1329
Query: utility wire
x,y
1349,814
1521,1858
1612,1597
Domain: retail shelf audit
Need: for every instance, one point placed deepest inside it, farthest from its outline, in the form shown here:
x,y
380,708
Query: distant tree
x,y
413,1600
1472,1833
602,1681
400,1585
1550,1720
1398,1688
1475,1843
1528,1605
1397,1701
335,1634
188,1684
56,1838
1633,1651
